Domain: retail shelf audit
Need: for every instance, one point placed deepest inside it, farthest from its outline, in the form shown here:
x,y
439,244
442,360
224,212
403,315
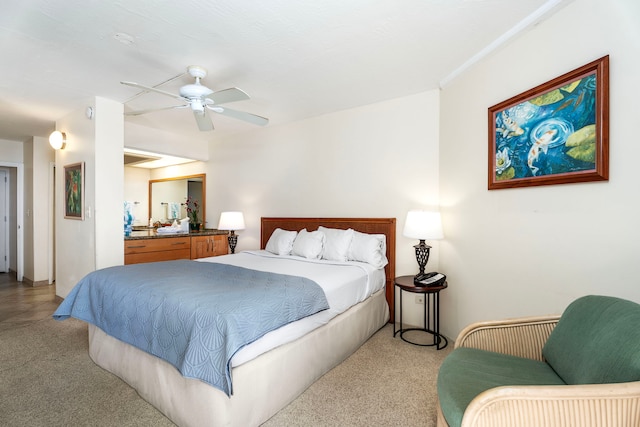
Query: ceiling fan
x,y
200,99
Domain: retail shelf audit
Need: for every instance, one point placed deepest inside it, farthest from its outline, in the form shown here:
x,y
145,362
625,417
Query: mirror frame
x,y
203,203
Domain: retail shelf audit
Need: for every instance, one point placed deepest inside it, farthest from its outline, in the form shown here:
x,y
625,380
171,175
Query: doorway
x,y
14,219
51,267
4,221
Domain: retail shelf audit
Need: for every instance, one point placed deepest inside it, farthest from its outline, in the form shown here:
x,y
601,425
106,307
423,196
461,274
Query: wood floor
x,y
20,304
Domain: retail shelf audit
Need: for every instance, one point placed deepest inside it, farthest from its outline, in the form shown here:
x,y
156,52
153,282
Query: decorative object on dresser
x,y
231,221
423,225
193,209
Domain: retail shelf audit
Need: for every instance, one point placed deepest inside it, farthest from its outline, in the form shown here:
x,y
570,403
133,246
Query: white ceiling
x,y
296,59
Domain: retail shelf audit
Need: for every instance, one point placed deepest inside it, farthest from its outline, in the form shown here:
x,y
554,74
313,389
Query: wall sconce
x,y
423,225
58,140
231,221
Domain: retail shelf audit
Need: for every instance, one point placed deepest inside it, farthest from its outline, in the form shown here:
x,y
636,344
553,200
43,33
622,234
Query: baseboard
x,y
29,282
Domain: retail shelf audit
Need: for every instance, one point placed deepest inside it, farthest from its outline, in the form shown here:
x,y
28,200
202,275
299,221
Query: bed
x,y
263,384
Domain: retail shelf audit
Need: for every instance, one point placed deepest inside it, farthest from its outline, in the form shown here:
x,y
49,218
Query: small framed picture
x,y
74,191
555,133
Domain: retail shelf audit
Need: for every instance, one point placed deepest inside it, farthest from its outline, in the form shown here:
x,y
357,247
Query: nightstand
x,y
431,311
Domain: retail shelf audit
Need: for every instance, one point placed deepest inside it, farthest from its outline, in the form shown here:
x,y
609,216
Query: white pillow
x,y
337,242
281,242
369,248
308,244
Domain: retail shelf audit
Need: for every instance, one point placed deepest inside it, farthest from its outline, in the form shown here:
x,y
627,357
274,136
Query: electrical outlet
x,y
419,299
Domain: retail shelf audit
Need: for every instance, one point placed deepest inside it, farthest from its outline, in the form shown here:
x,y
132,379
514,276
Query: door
x,y
4,221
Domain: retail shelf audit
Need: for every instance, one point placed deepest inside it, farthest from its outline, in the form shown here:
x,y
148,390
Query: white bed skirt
x,y
261,387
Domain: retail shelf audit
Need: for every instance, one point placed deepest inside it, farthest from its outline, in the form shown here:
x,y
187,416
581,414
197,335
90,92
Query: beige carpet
x,y
48,379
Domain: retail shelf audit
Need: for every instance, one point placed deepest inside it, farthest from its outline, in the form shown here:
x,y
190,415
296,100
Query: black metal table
x,y
431,311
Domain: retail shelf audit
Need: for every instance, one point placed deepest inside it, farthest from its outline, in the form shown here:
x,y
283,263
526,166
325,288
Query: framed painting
x,y
555,133
74,191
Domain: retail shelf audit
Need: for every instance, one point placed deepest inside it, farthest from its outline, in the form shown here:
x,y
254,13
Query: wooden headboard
x,y
386,226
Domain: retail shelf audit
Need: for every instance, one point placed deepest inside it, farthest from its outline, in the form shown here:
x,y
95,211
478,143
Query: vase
x,y
194,226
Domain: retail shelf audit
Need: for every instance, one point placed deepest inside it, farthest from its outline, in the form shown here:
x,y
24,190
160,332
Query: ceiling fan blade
x,y
151,110
203,120
154,86
240,115
152,89
232,94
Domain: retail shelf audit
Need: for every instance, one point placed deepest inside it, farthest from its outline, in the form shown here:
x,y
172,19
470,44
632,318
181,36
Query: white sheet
x,y
344,284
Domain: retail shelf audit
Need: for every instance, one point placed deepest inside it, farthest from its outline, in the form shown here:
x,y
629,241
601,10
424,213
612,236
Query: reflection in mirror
x,y
167,197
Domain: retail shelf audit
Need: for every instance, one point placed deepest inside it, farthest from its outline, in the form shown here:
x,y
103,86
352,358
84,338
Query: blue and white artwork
x,y
553,133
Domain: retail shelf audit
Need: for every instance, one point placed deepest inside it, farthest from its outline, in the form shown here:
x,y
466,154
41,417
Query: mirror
x,y
167,197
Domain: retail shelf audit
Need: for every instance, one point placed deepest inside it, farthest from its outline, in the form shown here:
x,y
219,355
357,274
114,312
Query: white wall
x,y
75,239
11,151
163,142
28,222
379,160
533,250
109,182
43,155
37,155
98,241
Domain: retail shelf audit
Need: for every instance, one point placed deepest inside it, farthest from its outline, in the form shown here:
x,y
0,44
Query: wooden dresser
x,y
167,248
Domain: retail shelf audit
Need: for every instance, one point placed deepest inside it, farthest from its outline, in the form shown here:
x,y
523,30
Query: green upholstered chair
x,y
578,369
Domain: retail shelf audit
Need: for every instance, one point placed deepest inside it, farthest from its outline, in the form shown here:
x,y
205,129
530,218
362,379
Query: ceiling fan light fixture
x,y
58,140
197,106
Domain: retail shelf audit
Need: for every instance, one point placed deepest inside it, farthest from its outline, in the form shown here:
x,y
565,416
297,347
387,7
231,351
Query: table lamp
x,y
423,225
231,221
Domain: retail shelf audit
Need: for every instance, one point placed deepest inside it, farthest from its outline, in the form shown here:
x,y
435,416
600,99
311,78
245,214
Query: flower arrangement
x,y
193,209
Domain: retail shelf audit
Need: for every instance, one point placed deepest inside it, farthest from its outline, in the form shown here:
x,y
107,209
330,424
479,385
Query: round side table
x,y
431,317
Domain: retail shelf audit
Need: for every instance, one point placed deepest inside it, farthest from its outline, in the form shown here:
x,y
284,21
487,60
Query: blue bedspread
x,y
194,315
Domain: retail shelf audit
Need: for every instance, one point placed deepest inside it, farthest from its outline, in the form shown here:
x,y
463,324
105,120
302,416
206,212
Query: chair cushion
x,y
467,372
596,341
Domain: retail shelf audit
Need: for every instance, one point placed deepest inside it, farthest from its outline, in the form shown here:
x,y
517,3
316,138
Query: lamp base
x,y
233,240
422,255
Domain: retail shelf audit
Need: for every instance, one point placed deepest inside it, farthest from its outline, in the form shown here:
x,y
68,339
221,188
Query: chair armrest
x,y
523,337
589,405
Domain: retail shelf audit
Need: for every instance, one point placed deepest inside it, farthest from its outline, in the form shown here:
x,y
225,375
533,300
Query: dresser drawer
x,y
156,256
157,245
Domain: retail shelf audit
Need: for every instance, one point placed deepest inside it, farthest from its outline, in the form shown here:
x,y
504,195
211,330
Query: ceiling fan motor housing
x,y
195,91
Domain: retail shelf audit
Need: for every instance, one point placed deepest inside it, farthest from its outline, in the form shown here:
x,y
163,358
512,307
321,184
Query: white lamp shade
x,y
423,225
231,221
57,140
